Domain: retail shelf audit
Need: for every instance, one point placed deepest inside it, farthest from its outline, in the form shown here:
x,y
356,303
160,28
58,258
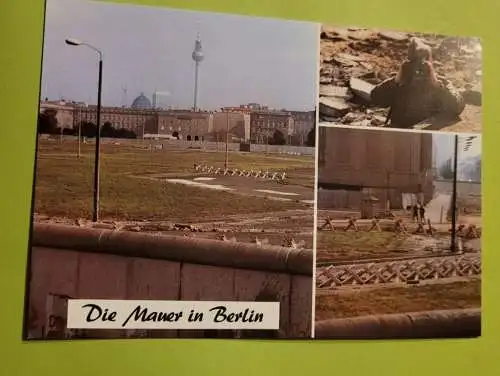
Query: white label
x,y
174,314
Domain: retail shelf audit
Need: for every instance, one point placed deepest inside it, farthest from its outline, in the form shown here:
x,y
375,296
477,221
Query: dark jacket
x,y
415,102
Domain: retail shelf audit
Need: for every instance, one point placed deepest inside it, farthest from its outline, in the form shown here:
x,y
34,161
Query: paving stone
x,y
335,91
361,34
394,36
346,62
333,107
378,120
361,88
350,57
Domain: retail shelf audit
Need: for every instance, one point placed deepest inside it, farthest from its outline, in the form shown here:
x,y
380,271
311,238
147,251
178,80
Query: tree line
x,y
48,124
472,172
278,138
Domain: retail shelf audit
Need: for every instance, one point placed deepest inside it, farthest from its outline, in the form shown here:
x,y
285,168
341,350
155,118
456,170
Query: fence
x,y
91,263
209,145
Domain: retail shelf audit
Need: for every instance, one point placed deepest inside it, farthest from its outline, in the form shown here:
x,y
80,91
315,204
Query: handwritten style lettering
x,y
221,315
142,314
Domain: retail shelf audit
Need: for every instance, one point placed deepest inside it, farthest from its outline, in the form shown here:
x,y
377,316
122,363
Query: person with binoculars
x,y
416,93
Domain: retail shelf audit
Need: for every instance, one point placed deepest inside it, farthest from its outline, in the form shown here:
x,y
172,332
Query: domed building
x,y
142,103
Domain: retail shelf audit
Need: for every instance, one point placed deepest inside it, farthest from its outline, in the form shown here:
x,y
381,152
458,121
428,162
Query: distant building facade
x,y
303,123
354,164
234,122
247,123
265,123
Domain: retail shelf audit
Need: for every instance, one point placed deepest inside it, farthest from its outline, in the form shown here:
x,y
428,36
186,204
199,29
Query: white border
x,y
400,130
315,210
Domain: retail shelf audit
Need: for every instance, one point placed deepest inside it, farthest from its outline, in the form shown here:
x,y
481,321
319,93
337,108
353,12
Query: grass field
x,y
64,183
429,297
340,246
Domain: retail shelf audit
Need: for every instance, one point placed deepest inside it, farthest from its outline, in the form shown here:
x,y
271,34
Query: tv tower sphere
x,y
198,54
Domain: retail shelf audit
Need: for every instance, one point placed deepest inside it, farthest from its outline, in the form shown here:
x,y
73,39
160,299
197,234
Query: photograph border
x,y
435,323
20,67
41,233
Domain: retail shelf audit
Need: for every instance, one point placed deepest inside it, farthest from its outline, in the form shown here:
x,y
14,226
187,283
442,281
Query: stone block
x,y
333,107
335,91
394,36
361,88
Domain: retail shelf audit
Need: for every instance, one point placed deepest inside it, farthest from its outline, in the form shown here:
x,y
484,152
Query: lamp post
x,y
95,212
454,198
227,140
80,117
79,134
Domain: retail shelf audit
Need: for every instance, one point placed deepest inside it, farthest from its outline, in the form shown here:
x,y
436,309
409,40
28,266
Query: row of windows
x,y
269,123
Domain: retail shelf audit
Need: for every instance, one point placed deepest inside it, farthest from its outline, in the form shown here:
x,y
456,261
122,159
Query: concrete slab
x,y
361,88
333,107
335,91
394,36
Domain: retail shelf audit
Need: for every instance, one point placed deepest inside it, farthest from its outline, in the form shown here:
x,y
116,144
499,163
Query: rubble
x,y
354,60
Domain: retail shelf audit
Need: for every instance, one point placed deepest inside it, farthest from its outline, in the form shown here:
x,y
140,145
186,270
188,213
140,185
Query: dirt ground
x,y
375,55
342,246
246,186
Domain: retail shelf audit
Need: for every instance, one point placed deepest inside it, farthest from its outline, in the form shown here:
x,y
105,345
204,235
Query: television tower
x,y
198,57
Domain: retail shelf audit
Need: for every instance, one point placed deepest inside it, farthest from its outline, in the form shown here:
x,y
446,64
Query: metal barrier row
x,y
398,226
279,177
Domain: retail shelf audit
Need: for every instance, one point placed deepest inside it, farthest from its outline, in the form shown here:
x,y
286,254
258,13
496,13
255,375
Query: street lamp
x,y
81,105
95,213
466,147
454,198
227,141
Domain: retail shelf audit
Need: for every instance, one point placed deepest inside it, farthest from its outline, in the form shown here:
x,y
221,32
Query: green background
x,y
21,27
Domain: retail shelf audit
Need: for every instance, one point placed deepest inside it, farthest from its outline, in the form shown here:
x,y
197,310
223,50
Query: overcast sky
x,y
247,59
444,144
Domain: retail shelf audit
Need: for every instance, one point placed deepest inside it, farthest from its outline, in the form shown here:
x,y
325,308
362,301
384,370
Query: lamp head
x,y
73,42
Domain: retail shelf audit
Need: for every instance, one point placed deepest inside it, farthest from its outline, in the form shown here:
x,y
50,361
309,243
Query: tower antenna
x,y
124,96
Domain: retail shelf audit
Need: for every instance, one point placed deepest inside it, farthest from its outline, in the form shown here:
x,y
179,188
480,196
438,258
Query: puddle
x,y
204,179
276,192
279,198
199,185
